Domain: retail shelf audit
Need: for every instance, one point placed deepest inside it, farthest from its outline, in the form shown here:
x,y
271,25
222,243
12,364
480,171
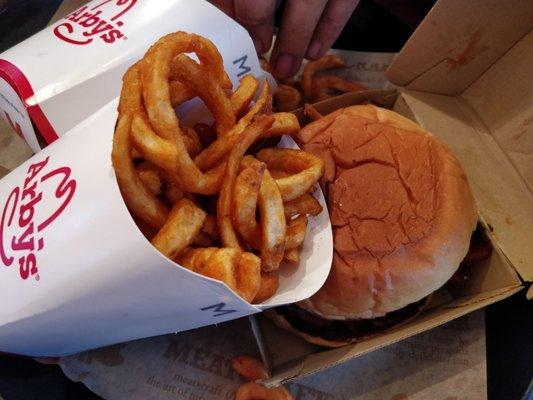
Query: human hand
x,y
308,28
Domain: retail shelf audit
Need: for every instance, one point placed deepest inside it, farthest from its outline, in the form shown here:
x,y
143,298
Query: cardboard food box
x,y
62,75
463,116
466,74
77,273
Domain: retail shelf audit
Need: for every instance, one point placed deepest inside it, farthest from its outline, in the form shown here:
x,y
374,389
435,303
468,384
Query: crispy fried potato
x,y
303,205
173,193
180,93
210,227
150,176
242,97
277,174
181,167
245,197
194,76
328,61
310,167
331,82
142,203
265,66
175,159
130,101
148,231
221,147
221,266
184,222
195,259
269,286
296,230
292,256
248,276
206,133
287,98
249,368
254,391
227,233
272,220
311,112
162,121
273,225
202,240
241,271
192,141
284,124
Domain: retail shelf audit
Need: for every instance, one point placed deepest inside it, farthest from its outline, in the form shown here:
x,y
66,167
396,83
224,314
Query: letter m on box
x,y
243,68
218,309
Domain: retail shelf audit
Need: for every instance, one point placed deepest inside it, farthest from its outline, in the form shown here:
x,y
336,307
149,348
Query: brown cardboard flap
x,y
3,171
13,149
292,357
379,97
503,200
457,42
316,360
66,7
503,99
489,282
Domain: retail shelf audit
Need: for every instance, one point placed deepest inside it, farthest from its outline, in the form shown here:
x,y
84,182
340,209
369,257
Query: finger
x,y
300,18
258,18
330,26
226,6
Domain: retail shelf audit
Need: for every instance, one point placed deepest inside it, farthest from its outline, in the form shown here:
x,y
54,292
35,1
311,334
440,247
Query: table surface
x,y
509,324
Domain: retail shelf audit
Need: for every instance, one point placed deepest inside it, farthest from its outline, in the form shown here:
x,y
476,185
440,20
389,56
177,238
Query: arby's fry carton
x,y
63,74
76,272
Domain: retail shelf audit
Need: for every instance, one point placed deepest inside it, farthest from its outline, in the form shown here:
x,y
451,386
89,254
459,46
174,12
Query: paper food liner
x,y
447,363
363,67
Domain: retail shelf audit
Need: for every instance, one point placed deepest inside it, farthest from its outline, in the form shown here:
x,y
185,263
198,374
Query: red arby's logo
x,y
21,234
101,21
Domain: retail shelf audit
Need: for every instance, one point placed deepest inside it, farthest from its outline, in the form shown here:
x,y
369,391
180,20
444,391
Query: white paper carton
x,y
63,74
78,274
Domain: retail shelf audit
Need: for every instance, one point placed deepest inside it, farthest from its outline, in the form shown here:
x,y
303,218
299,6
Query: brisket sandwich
x,y
402,214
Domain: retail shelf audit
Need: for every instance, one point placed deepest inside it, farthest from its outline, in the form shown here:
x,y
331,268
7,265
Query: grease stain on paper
x,y
469,52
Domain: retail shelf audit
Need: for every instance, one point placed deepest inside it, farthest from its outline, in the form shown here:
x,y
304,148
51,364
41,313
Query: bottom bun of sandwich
x,y
402,214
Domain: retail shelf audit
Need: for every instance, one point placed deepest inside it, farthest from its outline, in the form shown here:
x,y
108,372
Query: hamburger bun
x,y
401,209
402,215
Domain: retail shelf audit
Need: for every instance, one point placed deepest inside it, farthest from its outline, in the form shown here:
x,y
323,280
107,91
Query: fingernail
x,y
258,44
284,65
313,50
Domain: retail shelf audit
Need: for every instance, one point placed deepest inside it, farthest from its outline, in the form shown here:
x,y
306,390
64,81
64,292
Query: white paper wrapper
x,y
77,273
446,363
68,71
363,67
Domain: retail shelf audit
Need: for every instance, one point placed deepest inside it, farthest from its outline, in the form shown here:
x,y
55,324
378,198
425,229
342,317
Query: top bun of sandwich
x,y
401,209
